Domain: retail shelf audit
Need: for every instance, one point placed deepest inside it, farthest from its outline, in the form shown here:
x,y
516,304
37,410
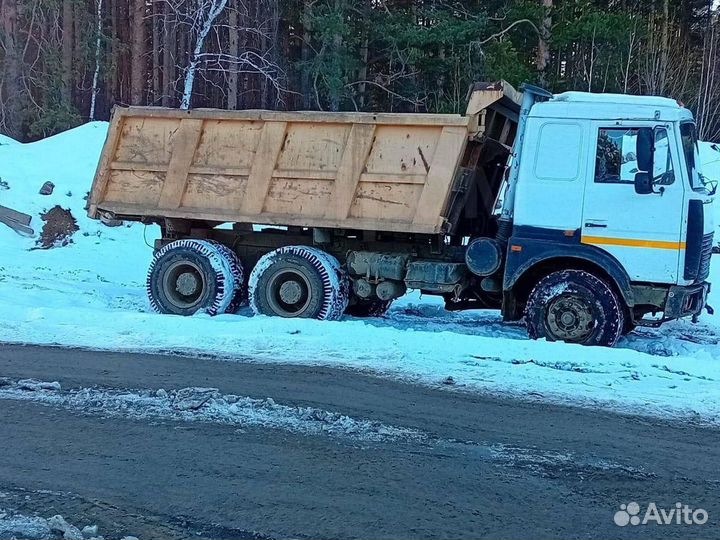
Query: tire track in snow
x,y
674,338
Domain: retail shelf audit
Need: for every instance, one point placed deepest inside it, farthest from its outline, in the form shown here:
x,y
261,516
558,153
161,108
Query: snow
x,y
209,405
4,139
15,525
91,294
710,168
710,159
591,97
20,526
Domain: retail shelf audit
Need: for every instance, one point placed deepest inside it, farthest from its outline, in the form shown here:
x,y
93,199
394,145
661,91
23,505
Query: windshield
x,y
692,155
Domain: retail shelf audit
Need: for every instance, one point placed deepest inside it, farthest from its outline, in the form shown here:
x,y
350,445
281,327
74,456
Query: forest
x,y
64,62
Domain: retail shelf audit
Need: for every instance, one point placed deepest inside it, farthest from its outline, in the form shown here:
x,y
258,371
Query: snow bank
x,y
207,405
20,526
4,139
710,160
68,160
14,525
91,294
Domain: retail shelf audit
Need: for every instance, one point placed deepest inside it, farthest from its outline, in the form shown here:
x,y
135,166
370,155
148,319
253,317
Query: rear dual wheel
x,y
299,281
189,276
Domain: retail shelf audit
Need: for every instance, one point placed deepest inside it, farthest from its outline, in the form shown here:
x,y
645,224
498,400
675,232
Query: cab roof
x,y
594,106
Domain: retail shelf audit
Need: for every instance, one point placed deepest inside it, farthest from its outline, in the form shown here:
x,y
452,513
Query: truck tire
x,y
368,308
576,307
299,281
240,296
188,276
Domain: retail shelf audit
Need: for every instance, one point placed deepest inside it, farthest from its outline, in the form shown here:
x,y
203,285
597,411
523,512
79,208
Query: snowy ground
x,y
15,525
91,294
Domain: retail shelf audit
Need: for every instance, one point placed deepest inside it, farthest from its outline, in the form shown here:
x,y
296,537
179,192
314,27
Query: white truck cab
x,y
613,181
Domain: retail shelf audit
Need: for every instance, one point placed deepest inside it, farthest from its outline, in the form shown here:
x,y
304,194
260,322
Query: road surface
x,y
474,466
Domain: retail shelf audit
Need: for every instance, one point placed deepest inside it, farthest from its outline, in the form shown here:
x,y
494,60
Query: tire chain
x,y
221,264
336,287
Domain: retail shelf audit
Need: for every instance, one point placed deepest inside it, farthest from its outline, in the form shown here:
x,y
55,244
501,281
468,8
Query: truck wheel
x,y
576,307
299,281
187,276
240,296
368,308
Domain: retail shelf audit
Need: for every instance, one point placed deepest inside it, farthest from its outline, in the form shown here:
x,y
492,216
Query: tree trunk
x,y
665,54
234,51
337,44
111,54
98,50
305,52
155,52
543,51
169,61
216,9
270,96
362,73
11,117
67,51
137,53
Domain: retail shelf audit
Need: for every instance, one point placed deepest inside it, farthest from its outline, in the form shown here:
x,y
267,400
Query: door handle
x,y
589,224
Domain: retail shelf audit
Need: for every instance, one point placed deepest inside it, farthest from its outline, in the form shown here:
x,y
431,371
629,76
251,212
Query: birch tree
x,y
206,15
209,21
98,50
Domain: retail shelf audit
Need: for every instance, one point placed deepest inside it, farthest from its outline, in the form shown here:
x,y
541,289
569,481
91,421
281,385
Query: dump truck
x,y
585,214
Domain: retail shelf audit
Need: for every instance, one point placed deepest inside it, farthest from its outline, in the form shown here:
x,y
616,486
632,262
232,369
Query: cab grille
x,y
705,254
698,247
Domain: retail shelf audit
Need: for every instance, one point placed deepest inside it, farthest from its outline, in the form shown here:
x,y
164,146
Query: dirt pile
x,y
58,229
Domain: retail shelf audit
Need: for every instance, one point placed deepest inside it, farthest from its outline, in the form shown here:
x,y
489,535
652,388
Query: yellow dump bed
x,y
391,172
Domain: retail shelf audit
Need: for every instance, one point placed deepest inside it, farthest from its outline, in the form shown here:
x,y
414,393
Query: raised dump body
x,y
381,172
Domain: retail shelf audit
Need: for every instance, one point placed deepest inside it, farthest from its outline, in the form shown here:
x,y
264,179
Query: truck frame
x,y
341,213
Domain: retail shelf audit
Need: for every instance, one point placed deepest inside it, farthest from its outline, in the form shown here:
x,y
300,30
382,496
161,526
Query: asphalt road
x,y
489,467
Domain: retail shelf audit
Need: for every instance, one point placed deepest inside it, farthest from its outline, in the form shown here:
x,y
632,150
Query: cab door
x,y
643,232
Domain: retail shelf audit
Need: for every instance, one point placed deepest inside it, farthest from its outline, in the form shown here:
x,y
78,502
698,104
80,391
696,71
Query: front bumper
x,y
671,302
685,301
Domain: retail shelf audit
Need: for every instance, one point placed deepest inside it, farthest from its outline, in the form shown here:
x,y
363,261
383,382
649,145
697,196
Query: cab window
x,y
690,149
616,157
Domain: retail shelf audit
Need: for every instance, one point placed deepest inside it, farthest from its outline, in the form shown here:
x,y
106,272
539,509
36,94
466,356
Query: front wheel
x,y
576,307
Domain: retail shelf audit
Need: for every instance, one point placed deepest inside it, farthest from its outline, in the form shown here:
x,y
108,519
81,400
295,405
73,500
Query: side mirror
x,y
643,183
645,147
645,150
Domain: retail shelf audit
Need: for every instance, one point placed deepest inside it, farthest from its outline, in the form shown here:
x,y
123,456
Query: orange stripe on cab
x,y
632,242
